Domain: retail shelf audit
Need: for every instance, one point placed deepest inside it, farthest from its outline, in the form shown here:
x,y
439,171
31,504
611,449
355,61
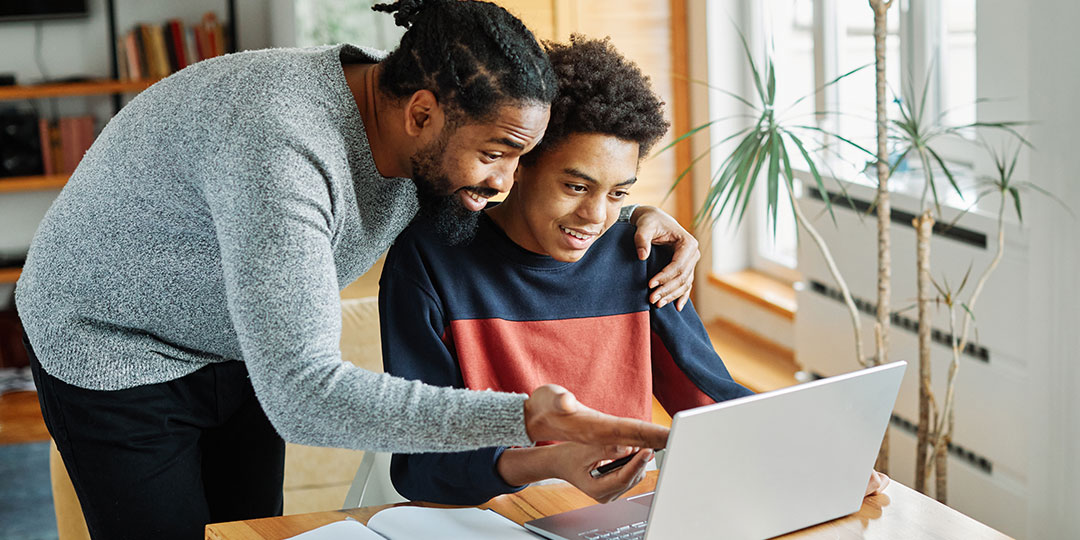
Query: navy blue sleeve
x,y
687,372
412,327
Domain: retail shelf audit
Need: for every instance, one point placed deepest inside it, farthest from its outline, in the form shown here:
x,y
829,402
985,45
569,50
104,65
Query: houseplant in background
x,y
1006,188
766,145
915,135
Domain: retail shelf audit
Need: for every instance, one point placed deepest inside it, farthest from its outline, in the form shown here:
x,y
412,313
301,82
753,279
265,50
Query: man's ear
x,y
423,113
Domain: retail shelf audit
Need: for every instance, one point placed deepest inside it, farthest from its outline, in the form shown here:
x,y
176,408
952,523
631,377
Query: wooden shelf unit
x,y
9,274
32,183
52,90
87,88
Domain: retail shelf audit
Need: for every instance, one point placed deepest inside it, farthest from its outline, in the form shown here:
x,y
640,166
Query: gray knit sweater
x,y
216,218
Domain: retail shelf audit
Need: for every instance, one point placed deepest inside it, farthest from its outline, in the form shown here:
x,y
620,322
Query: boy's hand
x,y
878,483
673,283
573,462
577,460
552,413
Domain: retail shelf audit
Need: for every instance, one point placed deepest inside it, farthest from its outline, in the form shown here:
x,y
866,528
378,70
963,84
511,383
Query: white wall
x,y
1053,74
80,47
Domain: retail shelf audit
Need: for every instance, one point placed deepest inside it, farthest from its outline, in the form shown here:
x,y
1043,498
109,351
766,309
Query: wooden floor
x,y
20,419
752,361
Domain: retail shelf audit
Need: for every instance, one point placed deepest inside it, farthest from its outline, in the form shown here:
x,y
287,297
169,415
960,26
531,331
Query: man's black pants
x,y
161,461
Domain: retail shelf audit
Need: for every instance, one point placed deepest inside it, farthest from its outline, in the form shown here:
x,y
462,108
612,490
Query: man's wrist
x,y
627,212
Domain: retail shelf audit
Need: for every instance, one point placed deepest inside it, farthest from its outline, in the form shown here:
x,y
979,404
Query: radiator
x,y
988,460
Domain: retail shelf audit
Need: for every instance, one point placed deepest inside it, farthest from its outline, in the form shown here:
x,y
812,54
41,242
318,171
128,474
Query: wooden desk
x,y
899,513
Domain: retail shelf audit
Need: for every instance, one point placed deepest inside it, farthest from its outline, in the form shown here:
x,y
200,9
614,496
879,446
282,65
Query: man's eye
x,y
491,156
620,194
576,188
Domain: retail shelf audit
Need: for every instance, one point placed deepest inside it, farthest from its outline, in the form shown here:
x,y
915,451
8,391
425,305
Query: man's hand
x,y
674,282
572,462
878,483
552,413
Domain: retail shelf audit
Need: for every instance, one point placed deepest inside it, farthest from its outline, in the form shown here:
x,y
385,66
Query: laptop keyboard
x,y
626,532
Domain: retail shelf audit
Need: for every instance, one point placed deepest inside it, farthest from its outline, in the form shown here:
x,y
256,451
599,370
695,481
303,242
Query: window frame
x,y
920,26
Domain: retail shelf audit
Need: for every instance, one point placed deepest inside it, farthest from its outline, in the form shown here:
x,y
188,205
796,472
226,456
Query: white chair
x,y
372,485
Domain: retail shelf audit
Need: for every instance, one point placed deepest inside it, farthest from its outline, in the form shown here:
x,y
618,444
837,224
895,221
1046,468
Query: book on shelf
x,y
176,39
46,135
154,51
64,141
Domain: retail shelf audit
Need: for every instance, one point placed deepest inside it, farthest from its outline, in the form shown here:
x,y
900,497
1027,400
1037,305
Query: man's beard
x,y
441,210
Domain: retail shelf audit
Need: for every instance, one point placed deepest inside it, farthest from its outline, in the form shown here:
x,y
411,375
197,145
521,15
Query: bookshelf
x,y
9,275
32,183
83,88
13,184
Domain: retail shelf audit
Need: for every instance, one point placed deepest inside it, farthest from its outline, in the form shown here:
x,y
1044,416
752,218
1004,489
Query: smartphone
x,y
608,467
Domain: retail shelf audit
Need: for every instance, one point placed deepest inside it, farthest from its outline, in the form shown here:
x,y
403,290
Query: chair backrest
x,y
70,524
372,485
360,341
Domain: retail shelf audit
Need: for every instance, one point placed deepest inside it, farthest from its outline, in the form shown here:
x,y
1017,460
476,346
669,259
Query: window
x,y
322,22
815,41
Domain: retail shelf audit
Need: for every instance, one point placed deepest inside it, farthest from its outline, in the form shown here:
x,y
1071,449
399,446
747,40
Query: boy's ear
x,y
423,113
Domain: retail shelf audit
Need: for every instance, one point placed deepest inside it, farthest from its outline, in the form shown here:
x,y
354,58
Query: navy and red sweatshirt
x,y
492,315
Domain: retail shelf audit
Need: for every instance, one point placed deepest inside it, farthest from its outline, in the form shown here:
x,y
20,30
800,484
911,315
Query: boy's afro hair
x,y
600,91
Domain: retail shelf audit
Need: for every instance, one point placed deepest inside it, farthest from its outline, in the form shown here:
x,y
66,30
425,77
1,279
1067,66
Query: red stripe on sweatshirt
x,y
673,389
604,361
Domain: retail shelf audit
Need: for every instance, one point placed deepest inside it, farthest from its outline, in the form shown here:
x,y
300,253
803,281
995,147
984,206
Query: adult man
x,y
180,298
550,289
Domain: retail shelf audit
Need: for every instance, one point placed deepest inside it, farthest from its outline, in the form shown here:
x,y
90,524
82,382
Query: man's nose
x,y
501,178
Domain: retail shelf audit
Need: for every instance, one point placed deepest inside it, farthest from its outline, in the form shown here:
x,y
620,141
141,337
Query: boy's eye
x,y
492,156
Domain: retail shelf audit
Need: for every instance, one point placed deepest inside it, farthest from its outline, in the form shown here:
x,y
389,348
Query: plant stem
x,y
941,471
856,323
986,274
924,225
884,208
941,437
948,413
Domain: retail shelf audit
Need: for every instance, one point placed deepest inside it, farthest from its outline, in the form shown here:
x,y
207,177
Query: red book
x,y
55,147
46,147
202,42
211,29
131,48
176,33
84,126
69,145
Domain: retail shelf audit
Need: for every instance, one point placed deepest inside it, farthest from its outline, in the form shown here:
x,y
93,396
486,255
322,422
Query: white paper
x,y
413,522
340,530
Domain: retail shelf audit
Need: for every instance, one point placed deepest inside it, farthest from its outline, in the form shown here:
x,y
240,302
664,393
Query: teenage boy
x,y
550,289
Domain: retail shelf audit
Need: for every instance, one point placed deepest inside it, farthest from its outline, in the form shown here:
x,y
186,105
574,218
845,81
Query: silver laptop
x,y
754,467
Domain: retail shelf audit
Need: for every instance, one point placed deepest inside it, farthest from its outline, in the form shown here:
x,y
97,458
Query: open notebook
x,y
413,522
